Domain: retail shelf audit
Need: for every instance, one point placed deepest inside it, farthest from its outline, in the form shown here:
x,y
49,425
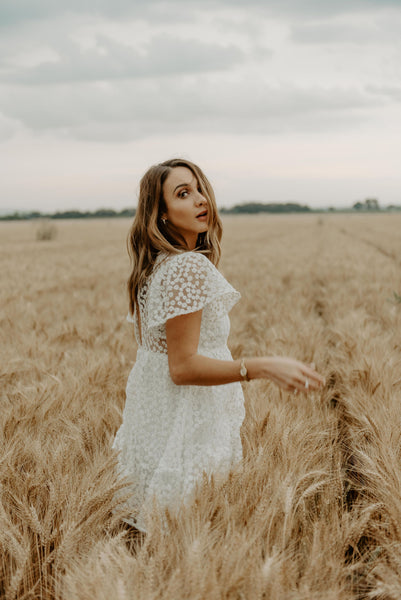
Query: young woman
x,y
184,405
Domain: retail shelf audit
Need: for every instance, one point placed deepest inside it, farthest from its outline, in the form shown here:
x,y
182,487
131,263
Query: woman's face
x,y
186,208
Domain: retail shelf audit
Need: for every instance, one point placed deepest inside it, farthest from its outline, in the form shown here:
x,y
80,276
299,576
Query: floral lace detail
x,y
181,284
170,434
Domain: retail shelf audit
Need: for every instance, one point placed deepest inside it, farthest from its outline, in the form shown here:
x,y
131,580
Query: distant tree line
x,y
258,207
370,204
70,214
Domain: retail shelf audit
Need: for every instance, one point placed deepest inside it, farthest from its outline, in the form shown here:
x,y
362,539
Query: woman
x,y
184,405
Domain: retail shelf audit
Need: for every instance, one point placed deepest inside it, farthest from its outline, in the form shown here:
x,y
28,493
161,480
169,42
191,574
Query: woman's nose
x,y
200,199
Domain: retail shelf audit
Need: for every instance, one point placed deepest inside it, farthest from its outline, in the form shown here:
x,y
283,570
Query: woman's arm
x,y
187,367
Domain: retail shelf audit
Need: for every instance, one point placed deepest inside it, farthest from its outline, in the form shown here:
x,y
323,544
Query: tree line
x,y
70,214
368,205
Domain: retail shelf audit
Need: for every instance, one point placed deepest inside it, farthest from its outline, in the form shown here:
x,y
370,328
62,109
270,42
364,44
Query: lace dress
x,y
172,433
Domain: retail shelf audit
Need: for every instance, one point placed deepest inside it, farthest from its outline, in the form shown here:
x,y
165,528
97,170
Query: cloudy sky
x,y
277,100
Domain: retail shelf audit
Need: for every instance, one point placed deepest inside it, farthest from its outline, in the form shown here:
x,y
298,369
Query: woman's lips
x,y
202,216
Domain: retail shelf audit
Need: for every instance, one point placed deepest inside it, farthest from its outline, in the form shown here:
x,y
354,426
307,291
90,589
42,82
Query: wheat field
x,y
314,509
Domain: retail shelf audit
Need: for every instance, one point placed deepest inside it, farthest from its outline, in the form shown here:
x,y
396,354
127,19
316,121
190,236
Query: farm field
x,y
314,509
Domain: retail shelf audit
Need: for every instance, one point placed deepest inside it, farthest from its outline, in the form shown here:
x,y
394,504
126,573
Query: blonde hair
x,y
149,236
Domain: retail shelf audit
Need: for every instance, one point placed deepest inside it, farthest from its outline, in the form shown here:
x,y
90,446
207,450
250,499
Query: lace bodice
x,y
181,284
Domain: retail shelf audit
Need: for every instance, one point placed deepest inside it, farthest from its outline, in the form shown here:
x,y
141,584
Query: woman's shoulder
x,y
182,269
187,282
183,261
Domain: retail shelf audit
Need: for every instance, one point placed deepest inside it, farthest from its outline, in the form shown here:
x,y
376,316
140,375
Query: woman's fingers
x,y
308,380
312,375
292,375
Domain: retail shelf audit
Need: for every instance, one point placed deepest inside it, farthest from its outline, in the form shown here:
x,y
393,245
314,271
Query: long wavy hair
x,y
149,236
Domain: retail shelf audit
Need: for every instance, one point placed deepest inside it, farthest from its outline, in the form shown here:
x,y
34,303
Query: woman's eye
x,y
183,194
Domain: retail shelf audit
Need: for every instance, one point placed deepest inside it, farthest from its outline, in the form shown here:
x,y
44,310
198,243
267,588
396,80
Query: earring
x,y
164,221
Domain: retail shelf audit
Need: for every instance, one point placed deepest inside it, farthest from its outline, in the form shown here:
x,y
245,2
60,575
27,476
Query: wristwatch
x,y
243,371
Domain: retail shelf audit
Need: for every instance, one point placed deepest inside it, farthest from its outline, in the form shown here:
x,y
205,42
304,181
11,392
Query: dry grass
x,y
313,512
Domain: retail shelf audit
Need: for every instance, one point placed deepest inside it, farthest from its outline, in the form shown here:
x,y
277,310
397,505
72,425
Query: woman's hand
x,y
289,374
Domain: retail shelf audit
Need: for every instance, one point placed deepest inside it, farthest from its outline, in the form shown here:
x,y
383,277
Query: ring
x,y
306,383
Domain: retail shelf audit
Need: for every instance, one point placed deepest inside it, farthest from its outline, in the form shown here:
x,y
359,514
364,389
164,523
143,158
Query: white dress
x,y
172,433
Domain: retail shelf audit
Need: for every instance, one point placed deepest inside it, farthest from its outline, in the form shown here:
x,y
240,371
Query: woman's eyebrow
x,y
182,185
194,181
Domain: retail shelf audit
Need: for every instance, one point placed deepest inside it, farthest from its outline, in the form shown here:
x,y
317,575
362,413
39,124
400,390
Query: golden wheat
x,y
314,509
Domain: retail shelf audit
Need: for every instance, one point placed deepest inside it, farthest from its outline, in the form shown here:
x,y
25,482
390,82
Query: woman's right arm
x,y
187,367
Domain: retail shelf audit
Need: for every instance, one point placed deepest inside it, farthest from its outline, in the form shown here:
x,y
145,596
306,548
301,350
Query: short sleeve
x,y
187,283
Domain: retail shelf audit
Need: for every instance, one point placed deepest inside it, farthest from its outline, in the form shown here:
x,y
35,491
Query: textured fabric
x,y
170,434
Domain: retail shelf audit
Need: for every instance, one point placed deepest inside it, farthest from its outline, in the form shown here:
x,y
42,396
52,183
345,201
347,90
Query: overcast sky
x,y
277,100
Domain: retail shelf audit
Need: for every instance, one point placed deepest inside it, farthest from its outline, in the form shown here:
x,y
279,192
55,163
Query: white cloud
x,y
19,11
135,109
392,92
109,60
367,29
8,127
